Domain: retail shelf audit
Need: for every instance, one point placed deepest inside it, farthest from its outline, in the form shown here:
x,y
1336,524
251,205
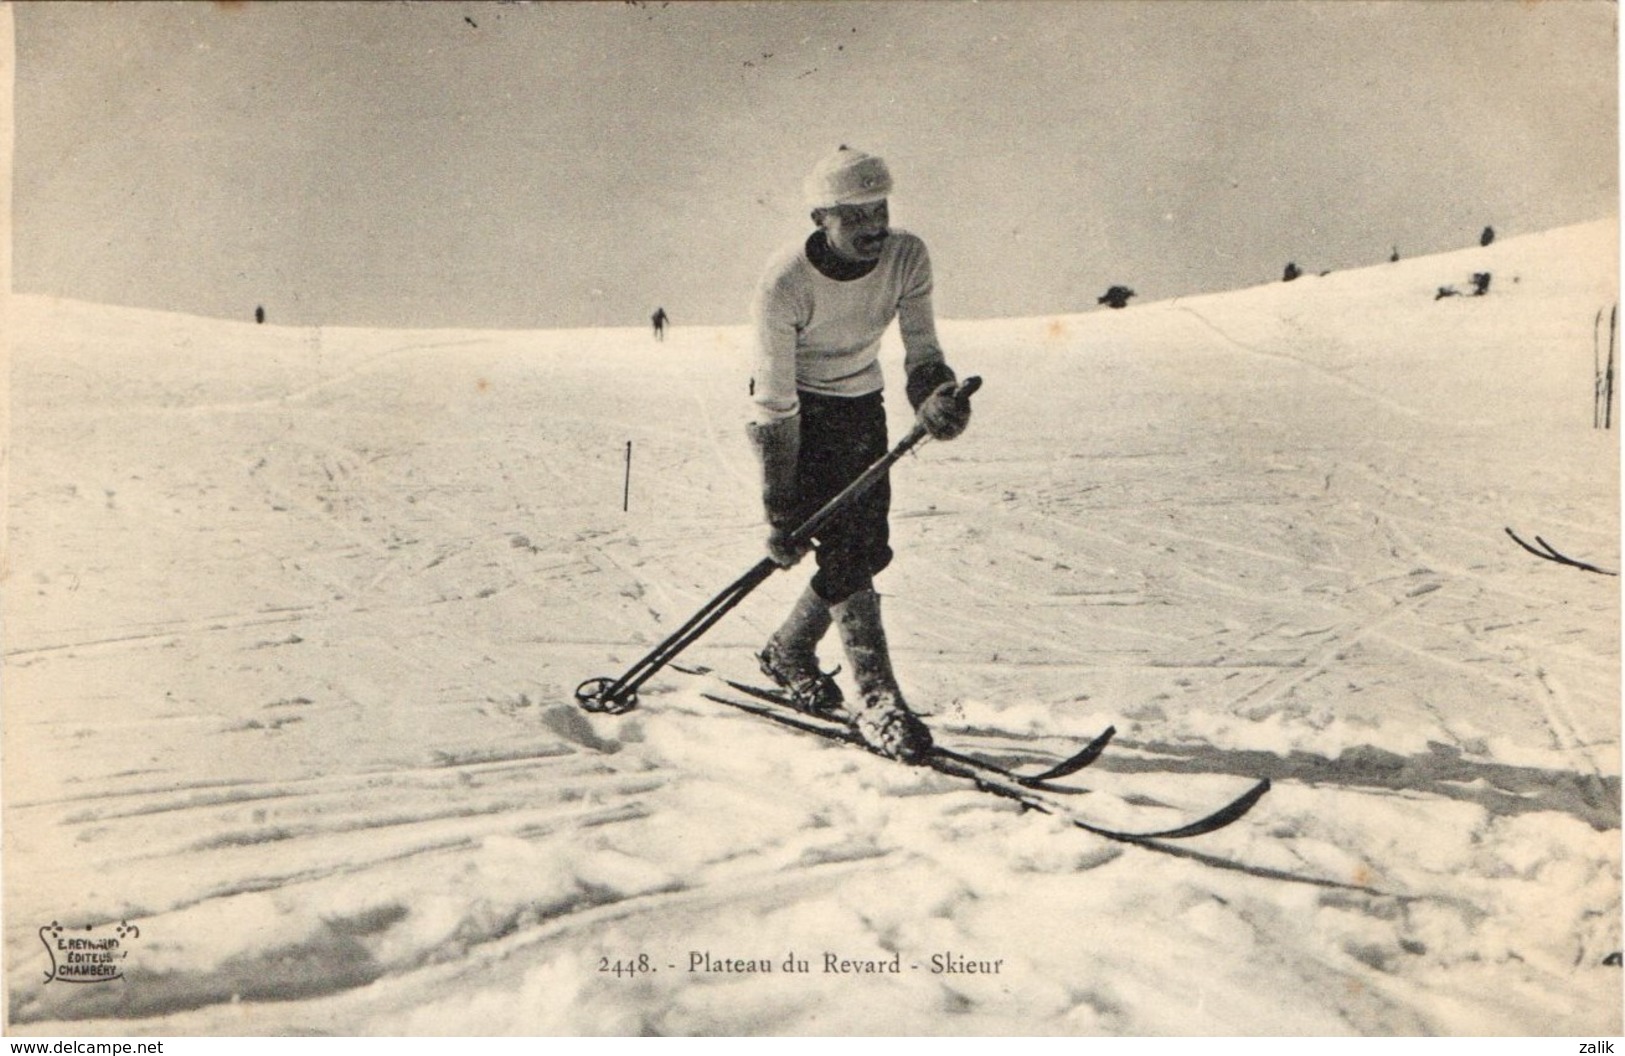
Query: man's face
x,y
856,232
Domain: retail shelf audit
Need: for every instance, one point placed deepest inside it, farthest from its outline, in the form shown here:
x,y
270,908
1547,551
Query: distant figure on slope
x,y
819,422
659,320
259,314
1116,297
1487,237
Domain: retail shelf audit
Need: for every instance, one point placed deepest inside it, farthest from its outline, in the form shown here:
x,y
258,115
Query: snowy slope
x,y
294,618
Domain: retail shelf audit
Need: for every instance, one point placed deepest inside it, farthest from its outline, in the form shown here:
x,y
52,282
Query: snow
x,y
295,616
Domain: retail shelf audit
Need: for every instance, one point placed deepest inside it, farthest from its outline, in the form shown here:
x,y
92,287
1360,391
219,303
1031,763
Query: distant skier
x,y
1116,297
660,319
819,421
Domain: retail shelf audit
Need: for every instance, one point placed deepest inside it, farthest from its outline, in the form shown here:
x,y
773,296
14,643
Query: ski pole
x,y
619,695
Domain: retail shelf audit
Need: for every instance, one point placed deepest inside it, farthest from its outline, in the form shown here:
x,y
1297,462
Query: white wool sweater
x,y
823,335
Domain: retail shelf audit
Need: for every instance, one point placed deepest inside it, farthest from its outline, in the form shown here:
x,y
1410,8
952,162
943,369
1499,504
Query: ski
x,y
1548,553
1041,781
1031,792
1228,814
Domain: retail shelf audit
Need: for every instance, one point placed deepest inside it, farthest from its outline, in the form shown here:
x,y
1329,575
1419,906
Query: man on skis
x,y
819,421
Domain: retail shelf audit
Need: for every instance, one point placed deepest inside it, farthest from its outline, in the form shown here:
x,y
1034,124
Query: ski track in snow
x,y
295,618
1313,368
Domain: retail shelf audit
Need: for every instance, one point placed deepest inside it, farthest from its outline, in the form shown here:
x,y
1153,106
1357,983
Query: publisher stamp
x,y
88,954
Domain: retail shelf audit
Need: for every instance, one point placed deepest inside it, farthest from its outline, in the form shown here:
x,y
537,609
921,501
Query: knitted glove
x,y
781,550
931,390
778,448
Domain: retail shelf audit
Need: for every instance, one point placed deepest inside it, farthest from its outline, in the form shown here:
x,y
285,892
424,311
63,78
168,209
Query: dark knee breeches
x,y
840,438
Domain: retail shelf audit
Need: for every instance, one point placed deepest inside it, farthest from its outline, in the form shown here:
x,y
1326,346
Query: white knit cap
x,y
847,177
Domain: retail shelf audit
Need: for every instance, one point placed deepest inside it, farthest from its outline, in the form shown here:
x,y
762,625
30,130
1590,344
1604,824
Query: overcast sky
x,y
564,165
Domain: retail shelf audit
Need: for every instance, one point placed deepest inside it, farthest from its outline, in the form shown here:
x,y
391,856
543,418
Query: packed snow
x,y
294,620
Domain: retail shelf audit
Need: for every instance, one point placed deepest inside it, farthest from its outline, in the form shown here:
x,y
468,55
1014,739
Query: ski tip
x,y
1248,800
1067,767
1229,814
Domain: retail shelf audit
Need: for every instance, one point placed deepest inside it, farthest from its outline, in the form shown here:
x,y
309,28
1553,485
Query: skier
x,y
819,421
659,321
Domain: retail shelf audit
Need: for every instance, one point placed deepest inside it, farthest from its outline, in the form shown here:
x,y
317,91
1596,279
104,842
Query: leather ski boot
x,y
791,661
881,716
